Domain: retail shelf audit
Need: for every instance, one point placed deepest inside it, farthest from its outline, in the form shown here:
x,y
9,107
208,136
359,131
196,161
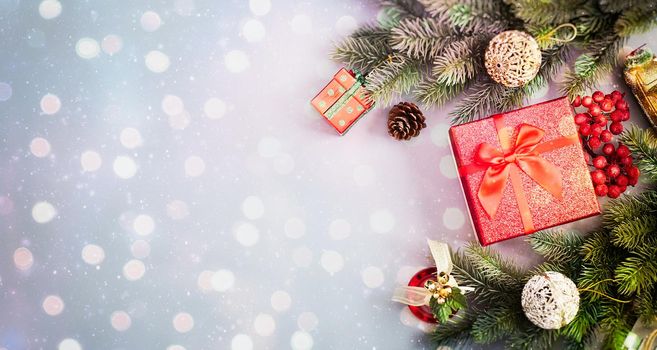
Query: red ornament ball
x,y
621,105
608,148
577,101
606,136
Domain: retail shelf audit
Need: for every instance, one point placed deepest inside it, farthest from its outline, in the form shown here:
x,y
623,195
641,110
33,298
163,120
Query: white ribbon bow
x,y
419,296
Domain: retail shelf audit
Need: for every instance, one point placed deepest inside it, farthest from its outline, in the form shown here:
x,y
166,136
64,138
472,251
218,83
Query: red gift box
x,y
343,100
523,171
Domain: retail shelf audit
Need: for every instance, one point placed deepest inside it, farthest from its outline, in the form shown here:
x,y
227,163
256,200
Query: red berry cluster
x,y
614,166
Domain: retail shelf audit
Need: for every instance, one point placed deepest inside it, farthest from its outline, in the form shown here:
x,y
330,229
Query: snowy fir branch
x,y
435,39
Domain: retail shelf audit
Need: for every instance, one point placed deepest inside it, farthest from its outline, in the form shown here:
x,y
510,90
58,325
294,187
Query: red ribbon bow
x,y
526,157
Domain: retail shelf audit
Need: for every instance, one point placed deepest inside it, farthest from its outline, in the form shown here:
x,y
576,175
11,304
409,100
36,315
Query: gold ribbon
x,y
419,296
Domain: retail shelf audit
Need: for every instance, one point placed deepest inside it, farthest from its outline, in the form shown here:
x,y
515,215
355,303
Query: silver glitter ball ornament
x,y
550,300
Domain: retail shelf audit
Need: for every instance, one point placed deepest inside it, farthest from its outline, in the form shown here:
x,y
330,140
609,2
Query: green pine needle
x,y
556,246
495,324
643,144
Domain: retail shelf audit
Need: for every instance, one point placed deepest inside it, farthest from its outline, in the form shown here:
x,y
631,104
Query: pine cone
x,y
405,120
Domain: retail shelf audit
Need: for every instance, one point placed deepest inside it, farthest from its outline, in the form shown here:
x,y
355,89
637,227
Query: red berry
x,y
585,129
616,95
598,96
581,118
616,115
613,170
577,101
622,105
601,190
595,110
623,151
622,188
626,115
587,157
601,119
594,142
587,101
633,172
600,162
608,149
613,191
607,105
606,136
596,129
598,177
633,181
616,128
627,161
622,180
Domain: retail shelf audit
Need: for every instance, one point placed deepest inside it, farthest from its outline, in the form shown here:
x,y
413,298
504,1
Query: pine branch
x,y
614,6
595,248
421,38
630,234
392,79
647,305
398,10
463,13
532,337
361,53
534,12
373,34
455,333
599,279
643,144
634,21
638,272
556,246
629,207
486,288
494,324
478,101
589,67
435,93
491,263
616,323
459,62
584,322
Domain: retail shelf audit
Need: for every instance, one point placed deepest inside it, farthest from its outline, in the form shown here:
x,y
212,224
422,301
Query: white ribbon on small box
x,y
419,296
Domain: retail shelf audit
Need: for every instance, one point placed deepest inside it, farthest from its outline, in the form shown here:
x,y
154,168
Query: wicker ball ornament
x,y
513,58
550,300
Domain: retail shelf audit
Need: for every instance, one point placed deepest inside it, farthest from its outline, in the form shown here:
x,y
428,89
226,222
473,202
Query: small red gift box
x,y
523,171
343,101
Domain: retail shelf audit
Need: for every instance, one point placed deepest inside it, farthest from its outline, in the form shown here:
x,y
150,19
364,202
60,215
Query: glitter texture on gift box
x,y
525,205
